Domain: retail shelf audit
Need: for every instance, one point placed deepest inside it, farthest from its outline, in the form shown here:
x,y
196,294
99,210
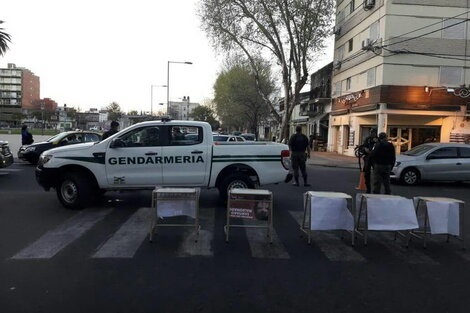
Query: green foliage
x,y
4,40
204,114
238,102
114,111
133,112
290,32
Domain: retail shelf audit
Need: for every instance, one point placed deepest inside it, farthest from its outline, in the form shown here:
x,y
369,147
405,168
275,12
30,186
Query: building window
x,y
374,31
351,7
371,77
340,17
348,83
350,45
337,91
453,32
340,53
451,76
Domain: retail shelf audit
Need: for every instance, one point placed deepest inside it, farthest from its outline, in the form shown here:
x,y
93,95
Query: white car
x,y
433,162
228,138
158,153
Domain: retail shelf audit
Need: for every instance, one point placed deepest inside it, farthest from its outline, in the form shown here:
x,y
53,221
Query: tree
x,y
238,102
133,112
114,111
4,40
291,31
205,114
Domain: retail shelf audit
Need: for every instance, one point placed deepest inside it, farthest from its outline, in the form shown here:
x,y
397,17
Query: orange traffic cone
x,y
362,182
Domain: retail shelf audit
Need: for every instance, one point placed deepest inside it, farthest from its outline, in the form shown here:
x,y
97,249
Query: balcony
x,y
314,107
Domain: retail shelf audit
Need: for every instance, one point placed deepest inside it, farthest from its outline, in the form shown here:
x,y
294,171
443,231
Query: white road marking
x,y
55,240
203,246
260,246
128,238
333,247
398,249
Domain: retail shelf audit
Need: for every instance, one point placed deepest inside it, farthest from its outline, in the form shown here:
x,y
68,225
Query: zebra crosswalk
x,y
132,235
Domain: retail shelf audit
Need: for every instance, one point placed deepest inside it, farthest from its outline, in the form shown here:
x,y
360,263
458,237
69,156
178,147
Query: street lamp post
x,y
151,97
168,83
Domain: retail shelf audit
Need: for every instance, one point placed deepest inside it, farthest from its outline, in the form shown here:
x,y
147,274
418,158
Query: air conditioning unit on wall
x,y
337,30
369,4
336,65
366,43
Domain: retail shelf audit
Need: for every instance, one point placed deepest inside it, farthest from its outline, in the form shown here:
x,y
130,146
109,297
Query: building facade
x,y
318,108
182,110
400,66
19,90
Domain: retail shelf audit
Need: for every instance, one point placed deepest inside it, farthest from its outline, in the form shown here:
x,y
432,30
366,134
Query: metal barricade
x,y
172,202
250,204
421,204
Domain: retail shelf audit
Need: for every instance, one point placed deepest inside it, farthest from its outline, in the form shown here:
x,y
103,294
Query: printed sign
x,y
249,209
242,213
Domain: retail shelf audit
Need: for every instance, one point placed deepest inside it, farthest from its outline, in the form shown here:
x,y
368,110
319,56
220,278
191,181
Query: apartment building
x,y
181,110
400,66
19,89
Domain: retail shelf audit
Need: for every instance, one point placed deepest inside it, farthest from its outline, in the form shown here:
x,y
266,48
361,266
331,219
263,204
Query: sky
x,y
89,53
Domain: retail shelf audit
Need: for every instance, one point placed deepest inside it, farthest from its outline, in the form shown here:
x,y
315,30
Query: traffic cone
x,y
362,182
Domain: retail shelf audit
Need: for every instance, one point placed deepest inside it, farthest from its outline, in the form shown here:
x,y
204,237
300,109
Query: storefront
x,y
402,113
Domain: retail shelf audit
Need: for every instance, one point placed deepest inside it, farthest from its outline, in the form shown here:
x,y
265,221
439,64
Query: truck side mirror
x,y
117,143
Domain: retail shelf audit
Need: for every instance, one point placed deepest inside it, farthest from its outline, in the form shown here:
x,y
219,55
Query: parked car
x,y
32,152
249,137
433,162
228,138
6,157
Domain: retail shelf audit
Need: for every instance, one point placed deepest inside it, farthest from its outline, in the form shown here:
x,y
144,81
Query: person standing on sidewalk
x,y
26,137
299,147
112,131
368,145
383,157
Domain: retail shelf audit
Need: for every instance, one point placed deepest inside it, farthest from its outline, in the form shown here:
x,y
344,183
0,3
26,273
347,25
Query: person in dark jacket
x,y
299,147
26,137
383,159
112,131
368,145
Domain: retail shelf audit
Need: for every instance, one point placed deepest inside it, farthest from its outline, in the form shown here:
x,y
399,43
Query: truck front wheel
x,y
74,191
235,180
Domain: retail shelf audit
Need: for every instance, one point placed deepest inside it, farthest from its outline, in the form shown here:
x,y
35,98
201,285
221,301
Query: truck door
x,y
135,158
185,156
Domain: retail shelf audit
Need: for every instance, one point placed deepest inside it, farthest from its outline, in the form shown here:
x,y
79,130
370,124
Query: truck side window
x,y
185,135
142,137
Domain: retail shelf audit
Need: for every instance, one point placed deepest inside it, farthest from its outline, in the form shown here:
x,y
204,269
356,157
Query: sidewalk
x,y
332,159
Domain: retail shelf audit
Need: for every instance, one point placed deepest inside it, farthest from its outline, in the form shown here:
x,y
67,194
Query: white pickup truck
x,y
163,153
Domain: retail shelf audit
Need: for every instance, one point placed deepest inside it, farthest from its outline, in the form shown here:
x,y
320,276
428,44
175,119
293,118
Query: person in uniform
x,y
299,147
383,156
112,131
368,145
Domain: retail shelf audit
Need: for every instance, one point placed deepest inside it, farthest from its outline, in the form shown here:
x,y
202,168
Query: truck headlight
x,y
43,159
30,149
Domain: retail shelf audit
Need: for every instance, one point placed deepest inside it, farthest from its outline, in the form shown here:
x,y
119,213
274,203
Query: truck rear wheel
x,y
235,180
74,191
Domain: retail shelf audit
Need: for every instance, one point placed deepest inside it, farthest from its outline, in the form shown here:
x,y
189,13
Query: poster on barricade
x,y
250,207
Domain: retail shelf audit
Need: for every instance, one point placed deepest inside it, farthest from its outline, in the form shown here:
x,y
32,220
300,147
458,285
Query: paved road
x,y
98,260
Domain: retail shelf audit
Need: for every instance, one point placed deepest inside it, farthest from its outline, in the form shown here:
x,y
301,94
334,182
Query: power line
x,y
420,36
421,28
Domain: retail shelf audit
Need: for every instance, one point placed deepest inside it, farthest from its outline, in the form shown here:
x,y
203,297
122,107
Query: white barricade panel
x,y
328,213
391,213
444,217
171,208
